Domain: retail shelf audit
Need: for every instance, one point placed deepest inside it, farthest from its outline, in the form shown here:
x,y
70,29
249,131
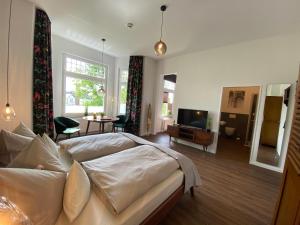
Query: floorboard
x,y
232,191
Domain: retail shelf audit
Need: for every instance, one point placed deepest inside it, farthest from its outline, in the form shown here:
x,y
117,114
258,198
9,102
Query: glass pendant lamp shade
x,y
8,113
101,90
160,48
10,214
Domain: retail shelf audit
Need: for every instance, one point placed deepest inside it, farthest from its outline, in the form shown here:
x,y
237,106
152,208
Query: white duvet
x,y
122,178
94,146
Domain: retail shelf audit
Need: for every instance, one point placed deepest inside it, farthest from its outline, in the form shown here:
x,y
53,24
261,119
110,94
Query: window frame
x,y
119,88
66,74
169,91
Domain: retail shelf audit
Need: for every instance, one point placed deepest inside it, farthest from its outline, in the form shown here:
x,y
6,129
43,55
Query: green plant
x,y
86,91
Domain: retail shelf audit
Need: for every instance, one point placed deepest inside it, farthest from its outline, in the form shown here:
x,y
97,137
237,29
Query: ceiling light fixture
x,y
101,90
8,113
160,47
130,25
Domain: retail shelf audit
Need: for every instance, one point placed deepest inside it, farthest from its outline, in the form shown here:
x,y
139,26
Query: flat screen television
x,y
191,117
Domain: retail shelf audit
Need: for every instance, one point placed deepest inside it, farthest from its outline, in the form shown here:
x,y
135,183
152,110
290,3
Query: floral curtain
x,y
42,76
134,94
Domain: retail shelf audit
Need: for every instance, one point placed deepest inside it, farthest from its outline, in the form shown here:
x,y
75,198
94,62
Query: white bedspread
x,y
94,146
121,178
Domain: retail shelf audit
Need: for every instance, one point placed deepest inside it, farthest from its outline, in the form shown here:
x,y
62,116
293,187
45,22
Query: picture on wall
x,y
236,99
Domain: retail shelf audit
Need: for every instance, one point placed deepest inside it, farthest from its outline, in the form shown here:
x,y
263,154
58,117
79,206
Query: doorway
x,y
237,120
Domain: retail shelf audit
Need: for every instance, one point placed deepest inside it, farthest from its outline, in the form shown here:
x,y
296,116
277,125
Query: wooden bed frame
x,y
160,213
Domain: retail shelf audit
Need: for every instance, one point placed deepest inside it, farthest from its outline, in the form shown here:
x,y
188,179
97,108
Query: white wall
x,y
21,53
149,88
61,46
201,75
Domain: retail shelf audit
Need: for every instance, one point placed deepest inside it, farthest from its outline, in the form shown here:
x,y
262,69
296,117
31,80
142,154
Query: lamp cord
x,y
102,52
162,23
8,55
103,40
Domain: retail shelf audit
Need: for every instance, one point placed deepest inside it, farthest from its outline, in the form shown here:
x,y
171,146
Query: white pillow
x,y
77,191
38,193
15,142
51,145
37,154
24,131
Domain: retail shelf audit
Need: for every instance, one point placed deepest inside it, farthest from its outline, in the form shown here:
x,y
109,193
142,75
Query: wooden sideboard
x,y
191,134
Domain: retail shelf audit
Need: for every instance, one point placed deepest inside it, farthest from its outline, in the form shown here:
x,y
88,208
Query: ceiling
x,y
190,25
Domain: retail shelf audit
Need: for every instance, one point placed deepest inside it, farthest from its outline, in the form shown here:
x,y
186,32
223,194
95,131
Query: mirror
x,y
273,127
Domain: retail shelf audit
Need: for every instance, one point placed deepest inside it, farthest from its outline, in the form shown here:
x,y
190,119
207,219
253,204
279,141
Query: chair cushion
x,y
119,125
71,130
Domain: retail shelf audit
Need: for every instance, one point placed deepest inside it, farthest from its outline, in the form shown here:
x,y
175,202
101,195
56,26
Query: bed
x,y
133,181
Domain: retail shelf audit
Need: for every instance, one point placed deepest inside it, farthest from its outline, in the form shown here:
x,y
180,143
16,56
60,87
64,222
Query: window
x,y
123,80
169,85
82,80
168,95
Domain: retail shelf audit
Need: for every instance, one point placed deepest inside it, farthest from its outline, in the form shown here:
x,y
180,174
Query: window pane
x,y
164,110
123,91
81,67
81,93
124,76
169,85
167,106
170,98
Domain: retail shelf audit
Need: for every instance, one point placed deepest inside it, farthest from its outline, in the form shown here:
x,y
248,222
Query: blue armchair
x,y
67,126
121,123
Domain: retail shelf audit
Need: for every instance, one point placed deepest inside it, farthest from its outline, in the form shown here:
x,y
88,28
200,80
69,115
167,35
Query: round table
x,y
100,120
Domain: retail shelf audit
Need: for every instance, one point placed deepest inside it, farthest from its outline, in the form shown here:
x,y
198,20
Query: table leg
x,y
102,127
87,128
192,191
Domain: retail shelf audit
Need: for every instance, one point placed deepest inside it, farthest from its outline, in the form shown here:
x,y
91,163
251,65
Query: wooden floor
x,y
232,191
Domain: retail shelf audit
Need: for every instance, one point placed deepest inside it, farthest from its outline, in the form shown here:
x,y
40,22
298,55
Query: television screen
x,y
194,118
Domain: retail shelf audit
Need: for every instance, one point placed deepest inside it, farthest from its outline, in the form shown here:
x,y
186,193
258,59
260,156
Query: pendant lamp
x,y
101,90
8,113
160,47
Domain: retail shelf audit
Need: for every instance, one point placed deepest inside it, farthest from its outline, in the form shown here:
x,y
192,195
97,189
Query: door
x,y
288,207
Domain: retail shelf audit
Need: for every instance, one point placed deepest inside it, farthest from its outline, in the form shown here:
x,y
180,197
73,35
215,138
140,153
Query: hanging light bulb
x,y
160,47
8,113
101,90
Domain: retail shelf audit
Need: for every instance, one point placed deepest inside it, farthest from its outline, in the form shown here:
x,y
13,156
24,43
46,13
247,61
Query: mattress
x,y
96,213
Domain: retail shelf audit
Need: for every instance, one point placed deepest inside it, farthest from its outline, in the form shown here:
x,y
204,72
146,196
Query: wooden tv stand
x,y
191,134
